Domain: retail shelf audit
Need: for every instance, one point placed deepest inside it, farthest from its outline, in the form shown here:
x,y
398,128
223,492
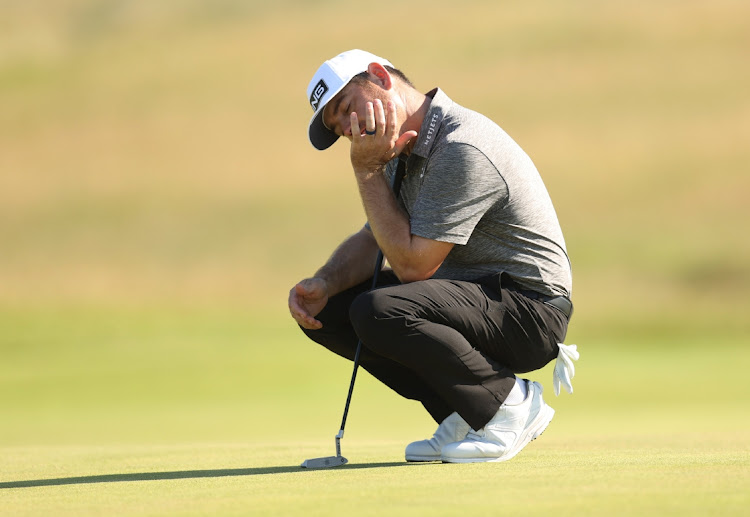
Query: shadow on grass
x,y
182,474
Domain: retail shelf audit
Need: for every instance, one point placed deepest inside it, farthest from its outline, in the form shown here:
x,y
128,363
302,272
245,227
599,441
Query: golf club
x,y
338,460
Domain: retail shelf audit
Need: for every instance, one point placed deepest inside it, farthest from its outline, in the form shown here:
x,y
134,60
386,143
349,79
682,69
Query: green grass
x,y
195,412
576,481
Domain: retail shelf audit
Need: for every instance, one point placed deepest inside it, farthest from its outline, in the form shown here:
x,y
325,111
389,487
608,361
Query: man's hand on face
x,y
379,141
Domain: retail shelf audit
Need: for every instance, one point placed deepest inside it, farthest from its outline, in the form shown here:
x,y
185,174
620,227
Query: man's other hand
x,y
306,300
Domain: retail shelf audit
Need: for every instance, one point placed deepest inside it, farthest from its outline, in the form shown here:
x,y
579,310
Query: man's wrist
x,y
326,276
365,173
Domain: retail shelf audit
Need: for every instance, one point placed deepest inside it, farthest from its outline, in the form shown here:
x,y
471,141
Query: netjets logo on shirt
x,y
432,128
320,89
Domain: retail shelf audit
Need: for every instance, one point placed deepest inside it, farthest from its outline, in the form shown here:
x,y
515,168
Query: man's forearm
x,y
411,257
389,223
351,264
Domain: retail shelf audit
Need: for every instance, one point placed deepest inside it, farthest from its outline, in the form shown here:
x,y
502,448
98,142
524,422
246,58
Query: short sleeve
x,y
459,186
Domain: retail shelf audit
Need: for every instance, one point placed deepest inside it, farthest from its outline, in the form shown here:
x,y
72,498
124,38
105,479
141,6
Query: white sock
x,y
517,394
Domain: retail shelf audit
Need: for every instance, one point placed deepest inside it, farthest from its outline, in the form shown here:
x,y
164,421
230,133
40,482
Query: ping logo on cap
x,y
320,89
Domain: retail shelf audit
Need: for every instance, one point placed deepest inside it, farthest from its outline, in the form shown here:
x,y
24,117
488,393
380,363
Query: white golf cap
x,y
329,80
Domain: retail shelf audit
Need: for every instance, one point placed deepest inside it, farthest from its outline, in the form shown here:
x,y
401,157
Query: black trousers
x,y
451,345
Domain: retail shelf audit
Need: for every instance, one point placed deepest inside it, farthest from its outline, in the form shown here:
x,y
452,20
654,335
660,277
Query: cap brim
x,y
320,136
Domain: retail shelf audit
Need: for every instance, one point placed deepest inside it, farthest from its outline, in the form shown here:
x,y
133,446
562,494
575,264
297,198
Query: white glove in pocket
x,y
564,368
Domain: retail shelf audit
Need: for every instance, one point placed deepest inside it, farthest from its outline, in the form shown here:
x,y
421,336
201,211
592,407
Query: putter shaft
x,y
338,460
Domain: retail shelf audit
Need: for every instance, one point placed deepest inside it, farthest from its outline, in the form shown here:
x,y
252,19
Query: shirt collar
x,y
437,111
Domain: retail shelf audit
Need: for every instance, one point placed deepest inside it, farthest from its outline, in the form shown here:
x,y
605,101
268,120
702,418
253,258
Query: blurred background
x,y
159,198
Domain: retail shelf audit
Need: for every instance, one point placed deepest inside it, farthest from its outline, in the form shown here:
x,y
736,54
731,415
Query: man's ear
x,y
380,76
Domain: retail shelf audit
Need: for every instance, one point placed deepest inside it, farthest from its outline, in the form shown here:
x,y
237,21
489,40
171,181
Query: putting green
x,y
222,434
558,475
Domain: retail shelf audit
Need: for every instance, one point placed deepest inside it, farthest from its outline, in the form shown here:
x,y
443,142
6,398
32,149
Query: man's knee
x,y
362,313
376,319
314,335
336,334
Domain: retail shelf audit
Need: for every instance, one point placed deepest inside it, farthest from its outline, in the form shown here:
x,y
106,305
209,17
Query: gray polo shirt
x,y
470,184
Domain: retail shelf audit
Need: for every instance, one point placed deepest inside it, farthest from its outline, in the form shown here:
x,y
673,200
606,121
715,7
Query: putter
x,y
338,460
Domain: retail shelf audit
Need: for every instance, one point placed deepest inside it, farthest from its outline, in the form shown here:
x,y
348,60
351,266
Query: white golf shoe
x,y
509,431
453,429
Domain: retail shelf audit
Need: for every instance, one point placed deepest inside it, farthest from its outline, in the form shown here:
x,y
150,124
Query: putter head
x,y
328,461
324,463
